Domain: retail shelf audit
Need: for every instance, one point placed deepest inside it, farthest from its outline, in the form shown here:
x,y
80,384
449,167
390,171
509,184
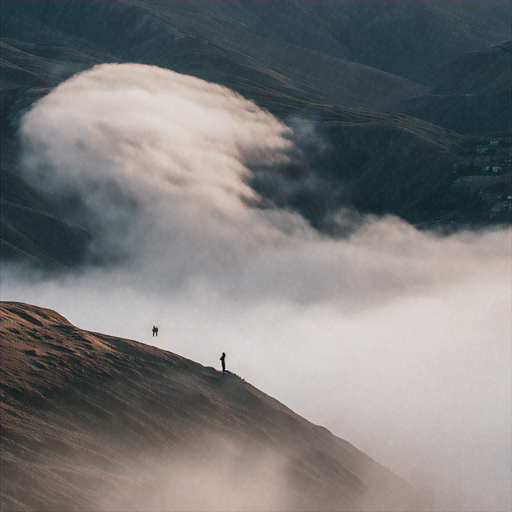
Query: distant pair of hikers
x,y
222,357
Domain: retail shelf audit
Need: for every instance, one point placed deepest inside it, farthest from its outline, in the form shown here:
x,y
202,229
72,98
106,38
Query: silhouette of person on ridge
x,y
155,330
223,361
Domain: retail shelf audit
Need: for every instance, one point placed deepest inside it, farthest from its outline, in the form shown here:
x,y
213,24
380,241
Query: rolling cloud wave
x,y
397,340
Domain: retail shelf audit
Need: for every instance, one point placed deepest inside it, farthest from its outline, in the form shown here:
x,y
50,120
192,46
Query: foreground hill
x,y
95,422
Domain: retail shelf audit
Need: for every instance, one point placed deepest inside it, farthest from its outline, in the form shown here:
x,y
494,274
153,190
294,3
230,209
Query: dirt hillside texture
x,y
94,422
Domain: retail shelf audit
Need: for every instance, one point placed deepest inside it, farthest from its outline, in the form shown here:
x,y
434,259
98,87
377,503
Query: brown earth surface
x,y
94,422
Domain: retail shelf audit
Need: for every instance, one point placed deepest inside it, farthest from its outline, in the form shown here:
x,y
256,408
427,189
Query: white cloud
x,y
396,340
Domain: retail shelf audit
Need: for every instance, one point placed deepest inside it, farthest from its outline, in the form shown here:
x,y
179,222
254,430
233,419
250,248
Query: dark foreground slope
x,y
94,422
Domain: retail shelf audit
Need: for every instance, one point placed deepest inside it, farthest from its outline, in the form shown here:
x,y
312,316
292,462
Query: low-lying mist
x,y
231,473
394,339
219,473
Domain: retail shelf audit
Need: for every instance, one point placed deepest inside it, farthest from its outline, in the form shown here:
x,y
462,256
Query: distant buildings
x,y
484,156
492,168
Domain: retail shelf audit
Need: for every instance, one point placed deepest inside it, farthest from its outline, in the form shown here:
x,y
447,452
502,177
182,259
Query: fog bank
x,y
396,340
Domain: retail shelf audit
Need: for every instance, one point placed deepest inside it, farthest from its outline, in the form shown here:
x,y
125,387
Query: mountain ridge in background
x,y
370,77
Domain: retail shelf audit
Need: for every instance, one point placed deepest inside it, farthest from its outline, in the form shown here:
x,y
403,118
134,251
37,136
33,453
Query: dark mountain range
x,y
389,87
95,422
402,38
32,227
351,53
470,93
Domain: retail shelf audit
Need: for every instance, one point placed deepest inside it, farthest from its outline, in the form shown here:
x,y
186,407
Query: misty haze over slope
x,y
139,428
291,221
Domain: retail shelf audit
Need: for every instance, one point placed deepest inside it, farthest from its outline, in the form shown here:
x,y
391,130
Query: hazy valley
x,y
319,189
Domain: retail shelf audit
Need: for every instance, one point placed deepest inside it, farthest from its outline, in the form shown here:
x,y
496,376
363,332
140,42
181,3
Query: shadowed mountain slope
x,y
344,53
95,422
471,93
197,39
415,35
384,85
32,227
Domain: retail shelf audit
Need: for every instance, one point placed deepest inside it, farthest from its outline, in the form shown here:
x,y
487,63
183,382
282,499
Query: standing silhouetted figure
x,y
223,361
155,330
